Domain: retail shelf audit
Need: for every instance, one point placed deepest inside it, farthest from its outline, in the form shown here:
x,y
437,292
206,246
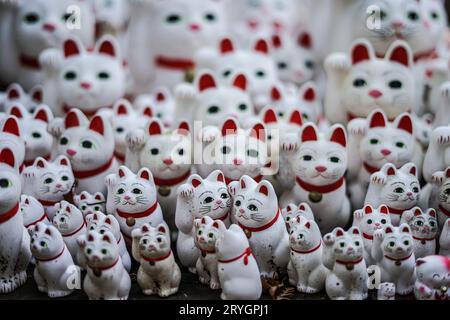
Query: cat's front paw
x,y
289,143
441,135
185,91
357,127
111,180
378,178
56,127
209,134
135,139
438,178
186,191
51,60
337,62
378,235
445,90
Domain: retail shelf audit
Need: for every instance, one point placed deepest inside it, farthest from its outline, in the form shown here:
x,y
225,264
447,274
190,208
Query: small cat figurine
x,y
386,291
161,101
54,264
292,211
207,232
49,182
158,273
437,195
167,153
393,251
398,189
319,165
32,211
102,223
436,158
256,212
11,137
424,229
197,198
432,278
90,203
360,83
132,200
78,78
238,270
89,145
373,143
15,95
368,220
106,277
69,221
15,245
344,257
305,269
444,239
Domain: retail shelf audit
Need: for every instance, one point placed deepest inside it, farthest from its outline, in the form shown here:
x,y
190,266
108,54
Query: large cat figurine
x,y
319,165
11,137
89,145
432,278
14,239
78,78
197,198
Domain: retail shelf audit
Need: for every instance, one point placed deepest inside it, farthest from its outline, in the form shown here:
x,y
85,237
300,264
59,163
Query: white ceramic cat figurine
x,y
393,251
444,239
106,277
167,153
386,291
32,211
432,278
54,264
158,273
319,165
437,157
424,229
48,182
11,137
78,78
197,198
33,127
238,270
368,220
90,149
71,224
161,101
102,223
437,195
374,142
305,269
15,241
257,213
16,95
344,256
292,211
398,189
207,231
90,203
28,28
132,199
360,83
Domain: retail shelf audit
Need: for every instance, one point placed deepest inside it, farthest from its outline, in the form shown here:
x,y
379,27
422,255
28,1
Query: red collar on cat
x,y
423,239
53,258
229,180
370,169
207,251
308,251
245,255
105,268
119,156
173,181
47,203
135,215
367,236
398,260
30,162
174,63
444,211
94,172
157,259
398,211
321,189
223,218
74,232
427,55
264,227
9,214
38,220
349,263
29,62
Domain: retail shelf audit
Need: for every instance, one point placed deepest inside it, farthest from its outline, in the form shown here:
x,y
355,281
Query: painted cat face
x,y
16,95
38,142
46,241
422,224
397,241
42,24
207,232
87,144
292,211
348,246
91,80
255,204
134,192
153,241
102,224
434,271
304,234
51,180
67,218
90,203
211,195
295,61
387,290
161,102
401,188
167,153
374,83
11,137
370,219
321,159
434,21
100,250
388,142
215,103
10,186
32,210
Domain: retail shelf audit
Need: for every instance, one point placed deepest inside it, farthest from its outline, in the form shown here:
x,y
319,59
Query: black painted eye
x,y
280,114
88,251
252,153
252,207
406,243
434,15
121,191
369,221
226,73
226,150
334,159
103,75
447,191
310,64
173,18
224,195
282,65
260,74
307,157
48,180
399,190
181,152
92,228
432,223
383,221
342,244
210,17
36,135
64,141
237,203
64,178
416,189
395,84
213,109
83,207
4,183
87,144
419,223
199,232
358,83
31,18
43,244
62,219
154,151
159,240
208,200
374,141
242,107
104,251
400,144
144,241
120,130
70,75
136,191
413,16
97,208
357,243
391,244
210,234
